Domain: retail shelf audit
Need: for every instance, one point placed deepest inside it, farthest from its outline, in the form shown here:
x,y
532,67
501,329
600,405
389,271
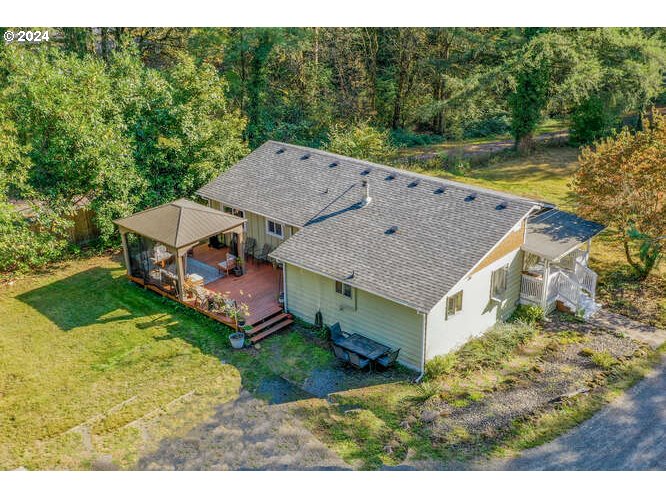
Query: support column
x,y
123,238
546,285
180,270
241,246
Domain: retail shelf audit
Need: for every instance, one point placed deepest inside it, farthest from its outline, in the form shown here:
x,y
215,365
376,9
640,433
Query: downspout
x,y
423,347
284,286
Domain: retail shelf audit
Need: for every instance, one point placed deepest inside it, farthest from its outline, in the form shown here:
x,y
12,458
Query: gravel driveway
x,y
628,434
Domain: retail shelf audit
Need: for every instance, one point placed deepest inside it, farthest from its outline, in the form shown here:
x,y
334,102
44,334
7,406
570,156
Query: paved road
x,y
628,434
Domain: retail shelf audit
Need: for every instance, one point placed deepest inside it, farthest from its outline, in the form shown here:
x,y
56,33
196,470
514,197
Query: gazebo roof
x,y
179,223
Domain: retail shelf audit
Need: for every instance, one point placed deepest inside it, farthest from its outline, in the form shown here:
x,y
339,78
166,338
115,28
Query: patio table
x,y
361,345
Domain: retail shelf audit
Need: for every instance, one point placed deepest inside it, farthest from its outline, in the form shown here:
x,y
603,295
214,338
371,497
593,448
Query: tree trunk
x,y
525,144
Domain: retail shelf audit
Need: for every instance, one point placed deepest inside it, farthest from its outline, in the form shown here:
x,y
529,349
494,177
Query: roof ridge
x,y
407,173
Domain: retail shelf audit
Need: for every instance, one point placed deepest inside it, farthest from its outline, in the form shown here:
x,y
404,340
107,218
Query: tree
x,y
621,182
360,141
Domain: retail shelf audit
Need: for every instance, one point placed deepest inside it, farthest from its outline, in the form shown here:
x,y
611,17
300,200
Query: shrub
x,y
407,138
360,141
492,125
487,351
529,314
603,360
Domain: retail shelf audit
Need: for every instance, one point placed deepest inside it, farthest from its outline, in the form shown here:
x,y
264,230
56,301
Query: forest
x,y
132,117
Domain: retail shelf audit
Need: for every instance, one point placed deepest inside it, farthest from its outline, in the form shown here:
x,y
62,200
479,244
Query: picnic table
x,y
361,345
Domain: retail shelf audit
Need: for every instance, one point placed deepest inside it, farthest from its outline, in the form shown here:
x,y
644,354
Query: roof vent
x,y
306,156
366,171
333,165
280,151
414,183
502,205
390,176
470,197
439,190
391,230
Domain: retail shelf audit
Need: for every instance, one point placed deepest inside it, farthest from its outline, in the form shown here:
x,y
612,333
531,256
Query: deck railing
x,y
531,288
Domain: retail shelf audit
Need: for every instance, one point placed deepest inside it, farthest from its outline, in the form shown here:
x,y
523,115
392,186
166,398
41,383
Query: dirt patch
x,y
246,434
563,369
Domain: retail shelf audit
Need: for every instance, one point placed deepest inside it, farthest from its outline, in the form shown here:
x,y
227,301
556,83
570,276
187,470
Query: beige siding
x,y
256,229
382,320
478,312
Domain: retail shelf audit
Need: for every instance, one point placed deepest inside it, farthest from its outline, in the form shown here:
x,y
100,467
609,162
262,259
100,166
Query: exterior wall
x,y
478,312
377,318
511,242
256,228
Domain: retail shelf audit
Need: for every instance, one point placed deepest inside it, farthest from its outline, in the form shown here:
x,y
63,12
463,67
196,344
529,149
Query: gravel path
x,y
246,434
628,434
641,332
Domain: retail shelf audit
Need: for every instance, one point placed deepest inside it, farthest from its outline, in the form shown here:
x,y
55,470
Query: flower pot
x,y
238,272
237,339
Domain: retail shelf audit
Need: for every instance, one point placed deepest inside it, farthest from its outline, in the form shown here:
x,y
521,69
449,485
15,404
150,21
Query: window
x,y
343,289
238,213
498,283
454,304
274,228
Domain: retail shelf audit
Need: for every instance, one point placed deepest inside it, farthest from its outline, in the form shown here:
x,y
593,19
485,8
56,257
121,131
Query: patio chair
x,y
336,333
263,256
357,361
340,353
250,247
228,264
388,359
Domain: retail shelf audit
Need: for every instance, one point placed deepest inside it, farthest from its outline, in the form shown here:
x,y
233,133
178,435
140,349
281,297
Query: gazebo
x,y
156,241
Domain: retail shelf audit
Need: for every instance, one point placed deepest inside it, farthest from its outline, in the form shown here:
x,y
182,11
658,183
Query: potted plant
x,y
237,339
238,269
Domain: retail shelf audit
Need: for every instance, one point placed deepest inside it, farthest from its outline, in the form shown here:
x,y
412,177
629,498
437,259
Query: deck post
x,y
546,285
180,270
123,238
241,246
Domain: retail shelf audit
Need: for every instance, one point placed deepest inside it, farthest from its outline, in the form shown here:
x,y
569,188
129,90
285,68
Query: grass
x,y
544,175
92,365
549,125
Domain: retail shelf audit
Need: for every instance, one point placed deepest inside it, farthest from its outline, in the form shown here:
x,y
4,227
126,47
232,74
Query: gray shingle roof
x,y
179,223
443,228
554,233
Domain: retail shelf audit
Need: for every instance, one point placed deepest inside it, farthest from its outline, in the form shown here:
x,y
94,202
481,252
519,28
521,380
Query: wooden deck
x,y
259,287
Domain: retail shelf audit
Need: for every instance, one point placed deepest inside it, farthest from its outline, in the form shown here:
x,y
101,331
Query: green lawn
x,y
93,366
544,175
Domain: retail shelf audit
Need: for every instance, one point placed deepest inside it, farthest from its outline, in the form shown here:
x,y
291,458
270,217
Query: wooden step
x,y
277,327
269,322
265,313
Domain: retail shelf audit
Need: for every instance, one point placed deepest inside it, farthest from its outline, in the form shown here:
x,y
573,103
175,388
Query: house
x,y
415,262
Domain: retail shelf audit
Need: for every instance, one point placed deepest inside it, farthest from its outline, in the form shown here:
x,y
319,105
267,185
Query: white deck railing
x,y
531,288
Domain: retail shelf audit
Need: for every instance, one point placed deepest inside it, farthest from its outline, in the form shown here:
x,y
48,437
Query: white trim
x,y
275,234
236,207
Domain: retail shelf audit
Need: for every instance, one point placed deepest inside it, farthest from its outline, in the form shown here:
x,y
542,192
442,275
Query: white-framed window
x,y
275,229
498,283
343,289
454,304
238,213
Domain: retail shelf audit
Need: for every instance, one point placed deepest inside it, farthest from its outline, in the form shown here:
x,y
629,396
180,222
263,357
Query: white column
x,y
123,238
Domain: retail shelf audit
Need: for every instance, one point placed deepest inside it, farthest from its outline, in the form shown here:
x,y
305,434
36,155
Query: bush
x,y
492,125
487,351
407,138
603,360
591,121
24,246
529,314
360,141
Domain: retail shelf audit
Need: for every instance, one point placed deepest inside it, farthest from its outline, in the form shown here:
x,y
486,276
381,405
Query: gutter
x,y
423,347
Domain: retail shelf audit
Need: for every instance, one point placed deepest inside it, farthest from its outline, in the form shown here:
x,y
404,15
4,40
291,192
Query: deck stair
x,y
269,326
